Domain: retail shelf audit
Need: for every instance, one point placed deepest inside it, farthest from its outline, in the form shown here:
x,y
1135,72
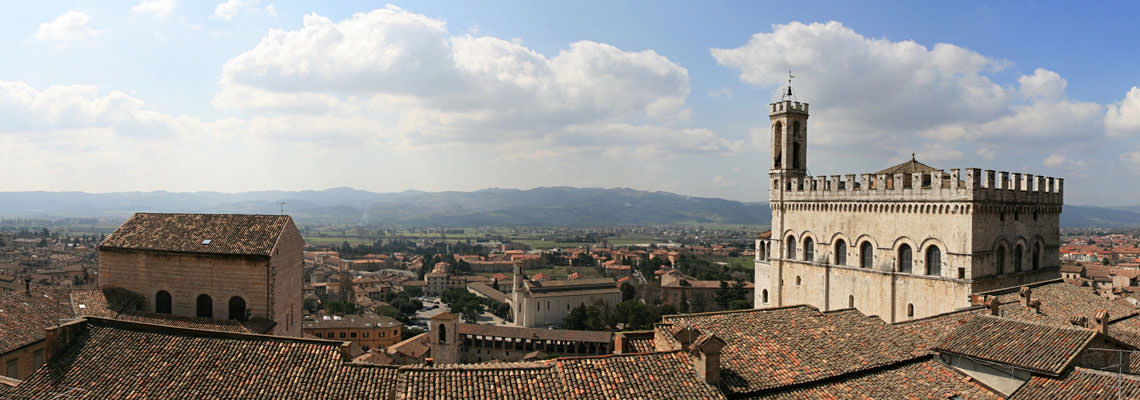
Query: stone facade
x,y
269,285
546,303
842,241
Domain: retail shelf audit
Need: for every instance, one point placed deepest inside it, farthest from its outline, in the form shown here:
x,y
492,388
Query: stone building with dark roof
x,y
540,302
904,242
214,266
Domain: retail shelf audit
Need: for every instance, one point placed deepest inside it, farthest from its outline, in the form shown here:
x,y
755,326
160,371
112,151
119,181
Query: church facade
x,y
906,242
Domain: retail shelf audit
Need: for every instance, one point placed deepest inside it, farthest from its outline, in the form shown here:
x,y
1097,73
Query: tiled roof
x,y
768,348
115,359
414,347
932,329
535,333
505,381
666,375
1039,348
1060,302
24,317
922,379
1080,383
235,234
907,167
636,342
488,292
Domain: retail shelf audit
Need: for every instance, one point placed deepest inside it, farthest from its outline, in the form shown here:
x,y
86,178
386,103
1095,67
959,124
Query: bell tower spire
x,y
788,147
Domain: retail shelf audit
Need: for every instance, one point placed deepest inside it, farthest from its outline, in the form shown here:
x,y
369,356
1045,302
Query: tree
x,y
628,292
414,291
723,295
312,305
583,259
495,284
341,307
408,333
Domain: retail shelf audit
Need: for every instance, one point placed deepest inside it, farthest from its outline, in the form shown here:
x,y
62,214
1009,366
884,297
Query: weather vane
x,y
788,94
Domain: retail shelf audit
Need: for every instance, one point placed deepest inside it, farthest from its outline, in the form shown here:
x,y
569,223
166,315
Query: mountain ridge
x,y
541,206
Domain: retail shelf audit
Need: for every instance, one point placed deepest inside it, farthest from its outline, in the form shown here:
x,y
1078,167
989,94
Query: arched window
x,y
442,334
866,255
777,144
205,306
904,259
764,296
840,252
1017,252
999,260
850,301
762,252
162,302
797,280
809,250
237,308
933,261
910,310
791,243
795,154
1037,256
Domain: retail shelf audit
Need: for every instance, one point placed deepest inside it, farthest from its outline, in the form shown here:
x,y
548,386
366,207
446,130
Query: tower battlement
x,y
781,107
975,185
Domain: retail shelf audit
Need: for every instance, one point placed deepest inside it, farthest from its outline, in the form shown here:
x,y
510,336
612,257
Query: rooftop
x,y
667,375
776,347
1034,347
908,167
535,333
1080,383
367,320
25,316
230,234
924,378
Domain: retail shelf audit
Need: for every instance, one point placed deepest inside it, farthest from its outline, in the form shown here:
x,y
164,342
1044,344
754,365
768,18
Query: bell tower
x,y
788,145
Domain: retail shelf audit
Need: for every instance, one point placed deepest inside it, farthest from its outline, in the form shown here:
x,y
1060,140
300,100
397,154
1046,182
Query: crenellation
x,y
988,180
954,176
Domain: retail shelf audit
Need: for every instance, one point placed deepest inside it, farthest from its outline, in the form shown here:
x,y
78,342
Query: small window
x,y
905,259
12,368
791,247
207,242
910,310
797,280
850,301
352,335
961,273
866,255
205,306
840,252
934,261
162,302
1017,251
1037,256
364,335
999,260
809,250
317,334
764,296
342,335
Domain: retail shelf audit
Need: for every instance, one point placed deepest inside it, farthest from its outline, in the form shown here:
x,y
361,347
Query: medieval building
x,y
905,242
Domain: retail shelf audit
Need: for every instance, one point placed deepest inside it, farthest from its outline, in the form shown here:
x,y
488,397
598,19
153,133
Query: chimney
x,y
429,361
993,304
1101,322
346,351
1035,305
706,350
57,338
686,335
1026,295
1079,321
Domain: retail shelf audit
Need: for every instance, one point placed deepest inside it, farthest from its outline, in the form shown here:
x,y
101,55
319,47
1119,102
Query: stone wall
x,y
287,264
550,310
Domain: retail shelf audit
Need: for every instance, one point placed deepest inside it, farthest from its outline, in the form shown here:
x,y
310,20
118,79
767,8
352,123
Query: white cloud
x,y
157,8
69,27
232,8
1124,118
1043,84
722,182
1132,159
985,153
1055,160
76,108
442,89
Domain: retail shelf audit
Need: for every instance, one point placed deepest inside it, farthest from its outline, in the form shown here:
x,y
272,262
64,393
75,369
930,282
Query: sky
x,y
243,95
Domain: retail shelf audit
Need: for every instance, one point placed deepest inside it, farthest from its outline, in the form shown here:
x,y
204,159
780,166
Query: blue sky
x,y
257,95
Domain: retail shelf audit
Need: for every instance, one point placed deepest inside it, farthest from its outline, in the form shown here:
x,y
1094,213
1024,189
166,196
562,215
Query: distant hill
x,y
545,206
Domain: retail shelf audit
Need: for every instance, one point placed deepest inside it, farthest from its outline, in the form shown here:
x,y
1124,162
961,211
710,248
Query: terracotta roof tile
x,y
922,379
769,348
1080,383
1039,348
505,381
235,234
666,375
115,359
24,317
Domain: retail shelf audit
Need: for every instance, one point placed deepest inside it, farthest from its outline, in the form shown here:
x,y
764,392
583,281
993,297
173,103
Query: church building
x,y
905,242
